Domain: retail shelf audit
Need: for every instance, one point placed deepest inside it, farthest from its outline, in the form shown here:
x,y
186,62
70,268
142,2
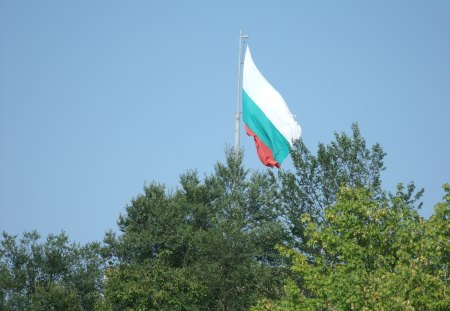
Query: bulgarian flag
x,y
266,116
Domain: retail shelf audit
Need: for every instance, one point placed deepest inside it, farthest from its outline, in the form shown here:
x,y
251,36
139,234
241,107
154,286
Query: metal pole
x,y
239,96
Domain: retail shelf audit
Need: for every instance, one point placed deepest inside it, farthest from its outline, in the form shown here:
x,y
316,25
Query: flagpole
x,y
239,96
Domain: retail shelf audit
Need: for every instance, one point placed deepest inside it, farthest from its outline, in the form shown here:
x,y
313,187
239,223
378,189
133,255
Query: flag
x,y
266,116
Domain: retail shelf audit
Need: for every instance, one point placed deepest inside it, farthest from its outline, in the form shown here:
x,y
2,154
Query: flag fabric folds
x,y
266,116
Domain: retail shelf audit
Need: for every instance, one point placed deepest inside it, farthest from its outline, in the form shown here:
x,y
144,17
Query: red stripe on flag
x,y
264,153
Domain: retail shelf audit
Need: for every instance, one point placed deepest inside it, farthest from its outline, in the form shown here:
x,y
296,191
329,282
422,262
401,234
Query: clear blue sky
x,y
99,97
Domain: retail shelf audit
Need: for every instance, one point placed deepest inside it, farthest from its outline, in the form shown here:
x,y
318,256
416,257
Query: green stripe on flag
x,y
258,122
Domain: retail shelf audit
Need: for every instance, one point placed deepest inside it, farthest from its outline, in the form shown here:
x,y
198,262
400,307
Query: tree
x,y
373,254
50,275
313,185
207,246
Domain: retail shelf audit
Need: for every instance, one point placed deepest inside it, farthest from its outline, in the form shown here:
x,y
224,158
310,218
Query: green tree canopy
x,y
210,245
50,275
325,236
316,179
374,254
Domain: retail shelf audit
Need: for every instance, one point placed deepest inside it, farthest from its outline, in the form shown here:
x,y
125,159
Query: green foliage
x,y
323,237
372,254
317,179
53,275
207,246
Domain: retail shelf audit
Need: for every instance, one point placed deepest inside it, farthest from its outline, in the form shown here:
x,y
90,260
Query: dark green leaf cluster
x,y
50,275
208,246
